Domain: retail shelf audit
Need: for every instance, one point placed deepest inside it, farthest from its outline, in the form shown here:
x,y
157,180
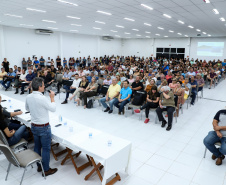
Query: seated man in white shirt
x,y
20,80
72,88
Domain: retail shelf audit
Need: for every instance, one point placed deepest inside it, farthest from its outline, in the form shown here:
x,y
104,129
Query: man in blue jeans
x,y
194,85
124,97
9,78
39,106
218,135
111,96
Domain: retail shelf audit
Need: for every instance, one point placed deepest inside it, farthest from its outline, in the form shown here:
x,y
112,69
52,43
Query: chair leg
x,y
156,118
23,175
7,171
42,170
205,153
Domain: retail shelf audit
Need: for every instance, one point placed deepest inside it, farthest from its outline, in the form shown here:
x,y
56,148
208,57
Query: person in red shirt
x,y
110,67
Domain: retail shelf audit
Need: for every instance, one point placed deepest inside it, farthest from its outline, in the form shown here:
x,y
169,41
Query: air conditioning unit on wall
x,y
43,32
107,38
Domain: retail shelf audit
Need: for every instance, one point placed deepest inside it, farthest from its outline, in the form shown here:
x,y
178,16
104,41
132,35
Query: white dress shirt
x,y
23,77
39,106
76,83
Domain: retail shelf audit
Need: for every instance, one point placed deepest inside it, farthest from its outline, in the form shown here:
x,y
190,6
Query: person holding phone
x,y
39,106
166,103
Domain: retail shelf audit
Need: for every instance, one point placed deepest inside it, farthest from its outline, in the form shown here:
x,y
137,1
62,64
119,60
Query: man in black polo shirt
x,y
137,85
48,80
218,135
58,61
42,61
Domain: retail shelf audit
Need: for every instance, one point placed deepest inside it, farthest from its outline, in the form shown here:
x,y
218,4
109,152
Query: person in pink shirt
x,y
173,85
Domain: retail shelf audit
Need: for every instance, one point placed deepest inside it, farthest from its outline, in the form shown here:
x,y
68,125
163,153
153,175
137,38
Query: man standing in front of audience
x,y
218,135
24,64
39,106
111,96
124,97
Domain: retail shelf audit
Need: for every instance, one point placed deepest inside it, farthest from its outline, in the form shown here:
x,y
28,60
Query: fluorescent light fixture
x,y
147,24
52,28
157,34
117,35
198,30
138,35
76,24
25,24
74,30
66,2
100,22
49,21
127,33
180,21
171,31
135,29
148,36
146,6
165,36
222,19
12,15
36,10
215,11
204,33
119,26
72,17
147,32
207,1
106,13
168,16
190,26
179,33
96,28
160,28
113,31
128,19
209,35
186,35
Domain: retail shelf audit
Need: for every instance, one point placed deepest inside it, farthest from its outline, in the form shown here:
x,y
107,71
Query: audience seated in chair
x,y
166,103
8,79
124,97
111,96
152,102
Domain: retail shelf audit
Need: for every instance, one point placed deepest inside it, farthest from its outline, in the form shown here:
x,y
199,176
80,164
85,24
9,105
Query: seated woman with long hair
x,y
81,88
12,136
178,96
90,91
152,102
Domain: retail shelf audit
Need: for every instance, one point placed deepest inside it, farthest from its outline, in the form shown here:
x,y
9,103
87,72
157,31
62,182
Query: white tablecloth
x,y
76,137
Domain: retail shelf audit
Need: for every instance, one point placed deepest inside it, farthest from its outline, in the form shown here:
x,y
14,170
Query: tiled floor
x,y
158,157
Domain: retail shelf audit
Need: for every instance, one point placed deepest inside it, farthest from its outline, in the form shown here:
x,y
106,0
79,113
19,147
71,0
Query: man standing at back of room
x,y
39,106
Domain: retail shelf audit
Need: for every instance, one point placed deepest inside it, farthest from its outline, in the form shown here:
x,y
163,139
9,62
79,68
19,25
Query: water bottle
x,y
90,135
109,143
60,118
65,123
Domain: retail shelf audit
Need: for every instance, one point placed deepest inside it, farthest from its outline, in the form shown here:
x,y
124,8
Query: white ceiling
x,y
192,12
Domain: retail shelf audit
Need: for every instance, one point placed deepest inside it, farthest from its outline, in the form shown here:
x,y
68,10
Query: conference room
x,y
128,92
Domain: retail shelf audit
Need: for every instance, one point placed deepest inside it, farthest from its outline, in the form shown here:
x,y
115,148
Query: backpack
x,y
89,104
139,98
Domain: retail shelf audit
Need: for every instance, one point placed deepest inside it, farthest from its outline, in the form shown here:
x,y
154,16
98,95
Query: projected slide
x,y
210,48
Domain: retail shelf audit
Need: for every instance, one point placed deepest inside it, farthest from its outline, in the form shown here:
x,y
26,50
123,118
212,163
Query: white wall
x,y
16,43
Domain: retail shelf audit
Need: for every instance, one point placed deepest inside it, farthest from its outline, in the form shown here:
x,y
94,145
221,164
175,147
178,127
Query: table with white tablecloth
x,y
112,152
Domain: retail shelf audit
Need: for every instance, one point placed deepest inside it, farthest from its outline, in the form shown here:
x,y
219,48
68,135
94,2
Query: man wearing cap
x,y
166,103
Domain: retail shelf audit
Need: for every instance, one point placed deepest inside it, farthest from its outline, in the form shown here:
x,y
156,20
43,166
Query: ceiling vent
x,y
43,32
107,38
199,35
